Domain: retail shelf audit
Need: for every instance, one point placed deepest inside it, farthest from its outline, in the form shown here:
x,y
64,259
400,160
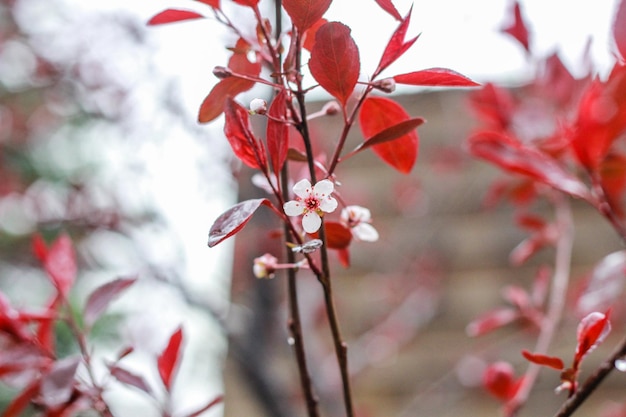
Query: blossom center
x,y
311,203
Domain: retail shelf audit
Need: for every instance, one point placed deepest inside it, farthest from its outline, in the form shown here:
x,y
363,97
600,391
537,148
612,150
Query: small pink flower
x,y
358,220
265,266
313,202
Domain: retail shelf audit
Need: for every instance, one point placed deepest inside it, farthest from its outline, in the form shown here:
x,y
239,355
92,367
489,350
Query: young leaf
x,y
305,13
388,6
619,29
102,296
544,360
436,77
131,379
334,62
169,358
60,264
213,105
592,330
517,28
234,219
237,129
396,46
278,132
510,155
174,15
57,386
378,114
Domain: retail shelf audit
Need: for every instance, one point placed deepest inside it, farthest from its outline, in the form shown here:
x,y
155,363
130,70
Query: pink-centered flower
x,y
358,220
312,202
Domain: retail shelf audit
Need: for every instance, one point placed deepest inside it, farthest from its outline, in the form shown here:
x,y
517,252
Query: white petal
x,y
302,188
365,232
293,208
311,222
324,188
328,204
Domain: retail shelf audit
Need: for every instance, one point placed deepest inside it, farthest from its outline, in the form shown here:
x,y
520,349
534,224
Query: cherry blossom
x,y
312,202
358,220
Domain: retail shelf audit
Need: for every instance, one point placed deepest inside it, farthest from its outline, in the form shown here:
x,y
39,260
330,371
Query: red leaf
x,y
396,46
592,330
248,3
490,321
544,360
213,3
380,113
305,13
334,62
169,358
513,156
606,283
389,134
619,29
499,380
237,129
40,249
233,220
441,77
613,180
338,236
129,378
60,264
102,296
58,385
174,15
309,35
210,405
46,335
278,132
22,400
388,6
518,28
213,104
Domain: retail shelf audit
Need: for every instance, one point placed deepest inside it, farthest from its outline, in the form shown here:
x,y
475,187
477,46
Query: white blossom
x,y
358,220
312,203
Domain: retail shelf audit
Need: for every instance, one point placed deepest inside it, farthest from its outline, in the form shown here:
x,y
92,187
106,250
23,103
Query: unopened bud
x,y
387,85
331,108
258,106
265,266
222,72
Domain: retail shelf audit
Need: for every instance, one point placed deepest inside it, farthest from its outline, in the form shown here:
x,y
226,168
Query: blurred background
x,y
98,138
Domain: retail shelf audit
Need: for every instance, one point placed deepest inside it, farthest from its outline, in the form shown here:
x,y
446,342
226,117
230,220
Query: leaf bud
x,y
387,85
258,106
331,108
222,72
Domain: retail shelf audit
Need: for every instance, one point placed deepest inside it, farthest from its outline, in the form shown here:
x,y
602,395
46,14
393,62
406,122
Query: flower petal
x,y
324,188
302,188
293,208
328,204
365,232
311,222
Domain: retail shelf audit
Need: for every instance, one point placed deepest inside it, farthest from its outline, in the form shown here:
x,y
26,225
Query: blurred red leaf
x,y
22,400
613,180
169,358
619,28
511,155
396,46
441,77
102,296
129,378
378,114
174,15
592,330
305,13
334,62
278,132
58,385
237,129
213,3
233,220
544,360
60,264
517,28
40,248
338,236
389,134
499,379
388,6
490,321
248,3
213,105
601,119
